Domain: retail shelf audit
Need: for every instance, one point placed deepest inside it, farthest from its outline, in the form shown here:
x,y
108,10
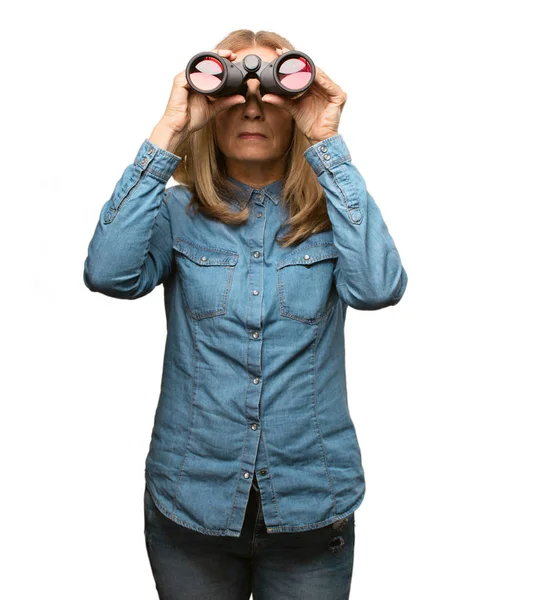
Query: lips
x,y
251,134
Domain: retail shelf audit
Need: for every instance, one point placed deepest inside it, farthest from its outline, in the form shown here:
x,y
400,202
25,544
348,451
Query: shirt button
x,y
326,156
263,471
256,254
306,256
259,215
254,426
323,148
255,335
203,258
256,380
255,292
246,475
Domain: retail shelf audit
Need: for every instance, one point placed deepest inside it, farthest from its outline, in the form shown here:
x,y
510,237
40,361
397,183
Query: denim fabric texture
x,y
309,565
254,379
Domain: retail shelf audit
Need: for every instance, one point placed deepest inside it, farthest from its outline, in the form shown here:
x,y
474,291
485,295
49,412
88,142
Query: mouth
x,y
252,136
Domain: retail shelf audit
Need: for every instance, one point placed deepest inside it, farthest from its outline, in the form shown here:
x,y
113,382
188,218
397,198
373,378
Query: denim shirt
x,y
254,378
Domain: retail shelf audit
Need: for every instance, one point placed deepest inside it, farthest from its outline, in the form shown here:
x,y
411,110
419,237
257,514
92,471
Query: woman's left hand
x,y
317,111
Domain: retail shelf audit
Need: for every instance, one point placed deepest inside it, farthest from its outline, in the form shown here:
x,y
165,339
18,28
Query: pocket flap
x,y
309,255
205,256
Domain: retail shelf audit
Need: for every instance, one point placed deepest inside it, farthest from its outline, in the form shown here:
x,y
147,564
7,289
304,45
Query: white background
x,y
447,119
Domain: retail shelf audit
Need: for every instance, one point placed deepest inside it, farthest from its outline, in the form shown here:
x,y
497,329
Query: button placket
x,y
256,226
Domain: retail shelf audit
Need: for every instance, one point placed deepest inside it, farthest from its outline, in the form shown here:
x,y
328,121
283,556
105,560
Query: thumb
x,y
278,101
228,102
272,99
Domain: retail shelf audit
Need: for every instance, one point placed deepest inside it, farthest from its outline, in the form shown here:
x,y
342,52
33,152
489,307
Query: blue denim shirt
x,y
254,375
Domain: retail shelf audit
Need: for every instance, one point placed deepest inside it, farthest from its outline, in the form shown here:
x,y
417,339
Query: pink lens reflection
x,y
206,74
295,73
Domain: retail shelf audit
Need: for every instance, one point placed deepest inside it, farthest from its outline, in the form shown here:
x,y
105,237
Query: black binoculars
x,y
290,74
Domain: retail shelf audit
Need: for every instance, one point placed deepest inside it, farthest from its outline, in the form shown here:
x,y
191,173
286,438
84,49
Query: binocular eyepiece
x,y
290,74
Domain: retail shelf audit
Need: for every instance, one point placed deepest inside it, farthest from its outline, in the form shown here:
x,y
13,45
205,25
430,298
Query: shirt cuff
x,y
327,154
156,161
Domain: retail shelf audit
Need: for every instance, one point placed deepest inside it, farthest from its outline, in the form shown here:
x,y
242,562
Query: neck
x,y
256,176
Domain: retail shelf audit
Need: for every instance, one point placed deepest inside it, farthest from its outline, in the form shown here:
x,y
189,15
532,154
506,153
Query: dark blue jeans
x,y
188,565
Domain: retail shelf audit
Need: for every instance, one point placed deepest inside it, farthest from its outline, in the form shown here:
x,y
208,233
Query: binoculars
x,y
290,74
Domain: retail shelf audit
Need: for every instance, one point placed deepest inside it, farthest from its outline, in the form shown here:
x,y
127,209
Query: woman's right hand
x,y
188,111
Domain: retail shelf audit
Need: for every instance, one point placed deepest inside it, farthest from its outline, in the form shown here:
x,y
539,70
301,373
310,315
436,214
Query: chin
x,y
253,153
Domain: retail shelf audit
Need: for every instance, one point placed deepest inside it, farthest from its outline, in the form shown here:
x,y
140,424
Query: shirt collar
x,y
273,191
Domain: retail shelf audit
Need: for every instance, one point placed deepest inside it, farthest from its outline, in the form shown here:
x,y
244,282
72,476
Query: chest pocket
x,y
305,282
205,275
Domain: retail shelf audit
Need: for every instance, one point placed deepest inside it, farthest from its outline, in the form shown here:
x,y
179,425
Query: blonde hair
x,y
302,195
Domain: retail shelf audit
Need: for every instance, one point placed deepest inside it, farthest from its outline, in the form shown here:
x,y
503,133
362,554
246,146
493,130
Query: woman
x,y
254,470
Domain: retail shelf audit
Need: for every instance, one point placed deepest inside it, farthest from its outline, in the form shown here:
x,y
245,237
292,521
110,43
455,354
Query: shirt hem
x,y
231,533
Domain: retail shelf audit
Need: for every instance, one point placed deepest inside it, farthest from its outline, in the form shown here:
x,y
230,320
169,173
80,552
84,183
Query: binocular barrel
x,y
290,74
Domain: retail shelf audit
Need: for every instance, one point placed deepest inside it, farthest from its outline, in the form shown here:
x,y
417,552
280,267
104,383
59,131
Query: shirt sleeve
x,y
131,249
368,273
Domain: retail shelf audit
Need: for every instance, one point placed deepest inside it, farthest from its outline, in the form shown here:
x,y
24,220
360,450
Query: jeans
x,y
315,564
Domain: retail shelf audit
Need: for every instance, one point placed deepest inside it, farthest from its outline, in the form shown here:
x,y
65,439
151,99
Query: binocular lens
x,y
207,74
295,73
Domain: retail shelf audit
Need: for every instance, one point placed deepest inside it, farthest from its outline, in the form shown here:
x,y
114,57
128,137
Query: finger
x,y
180,80
278,101
226,102
225,53
326,83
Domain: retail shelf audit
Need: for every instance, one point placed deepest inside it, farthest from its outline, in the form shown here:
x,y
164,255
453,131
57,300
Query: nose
x,y
253,86
253,108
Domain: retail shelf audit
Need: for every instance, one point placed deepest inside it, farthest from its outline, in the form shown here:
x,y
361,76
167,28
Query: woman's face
x,y
261,156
